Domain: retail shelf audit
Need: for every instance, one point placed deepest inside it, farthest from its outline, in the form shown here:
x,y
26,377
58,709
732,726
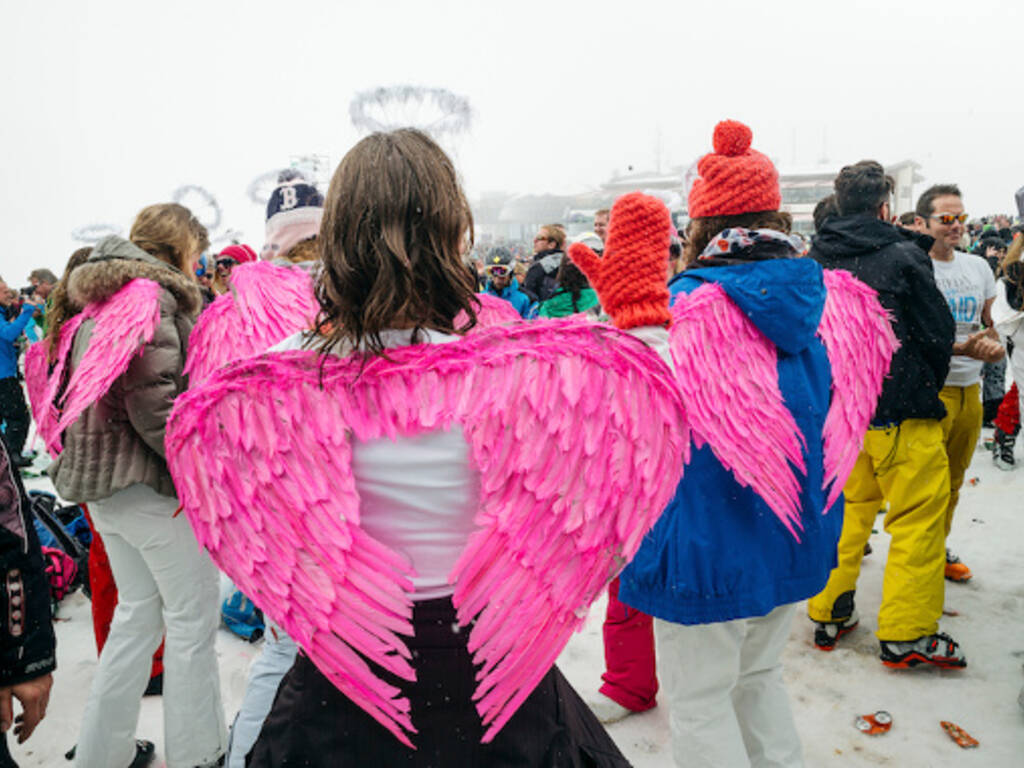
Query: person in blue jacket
x,y
13,409
501,280
719,571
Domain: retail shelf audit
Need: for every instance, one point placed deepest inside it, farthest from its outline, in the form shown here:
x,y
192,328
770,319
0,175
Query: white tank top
x,y
418,495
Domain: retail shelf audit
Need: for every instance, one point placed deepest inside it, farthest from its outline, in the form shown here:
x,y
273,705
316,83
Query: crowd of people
x,y
716,416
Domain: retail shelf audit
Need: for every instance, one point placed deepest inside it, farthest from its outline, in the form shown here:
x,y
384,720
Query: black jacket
x,y
884,258
540,283
26,629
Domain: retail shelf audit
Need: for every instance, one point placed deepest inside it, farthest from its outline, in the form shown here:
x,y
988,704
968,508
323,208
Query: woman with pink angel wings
x,y
376,488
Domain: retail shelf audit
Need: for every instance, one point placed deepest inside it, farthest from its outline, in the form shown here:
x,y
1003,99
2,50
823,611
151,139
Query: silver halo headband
x,y
436,111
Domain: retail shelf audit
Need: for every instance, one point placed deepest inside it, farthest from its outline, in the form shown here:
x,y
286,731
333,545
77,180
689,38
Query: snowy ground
x,y
827,690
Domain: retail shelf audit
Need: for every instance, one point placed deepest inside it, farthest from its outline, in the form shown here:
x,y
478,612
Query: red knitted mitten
x,y
631,277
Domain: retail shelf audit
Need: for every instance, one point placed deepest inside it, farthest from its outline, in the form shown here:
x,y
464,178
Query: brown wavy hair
x,y
394,226
60,308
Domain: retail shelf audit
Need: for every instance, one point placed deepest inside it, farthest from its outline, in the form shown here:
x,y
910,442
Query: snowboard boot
x,y
939,650
843,621
1002,450
827,634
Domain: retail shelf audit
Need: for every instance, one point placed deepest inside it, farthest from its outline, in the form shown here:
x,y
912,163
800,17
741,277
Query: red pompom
x,y
732,138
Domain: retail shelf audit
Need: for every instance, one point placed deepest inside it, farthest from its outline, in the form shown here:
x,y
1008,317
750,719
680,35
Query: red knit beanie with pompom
x,y
734,178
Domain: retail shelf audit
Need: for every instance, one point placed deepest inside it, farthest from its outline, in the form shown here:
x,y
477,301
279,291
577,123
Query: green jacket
x,y
560,305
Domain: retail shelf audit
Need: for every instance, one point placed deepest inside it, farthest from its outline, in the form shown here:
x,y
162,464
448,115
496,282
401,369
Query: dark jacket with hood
x,y
881,256
541,282
718,553
26,630
119,440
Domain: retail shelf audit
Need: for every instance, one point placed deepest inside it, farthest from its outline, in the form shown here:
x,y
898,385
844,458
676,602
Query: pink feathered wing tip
x,y
266,304
727,372
491,311
860,342
122,325
569,485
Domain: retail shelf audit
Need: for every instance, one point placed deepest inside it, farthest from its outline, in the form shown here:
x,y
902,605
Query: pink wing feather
x,y
860,342
37,369
123,324
563,507
727,374
491,312
266,304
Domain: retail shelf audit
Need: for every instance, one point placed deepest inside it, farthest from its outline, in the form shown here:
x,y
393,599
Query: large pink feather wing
x,y
569,485
122,325
728,377
573,472
266,304
491,311
261,459
858,336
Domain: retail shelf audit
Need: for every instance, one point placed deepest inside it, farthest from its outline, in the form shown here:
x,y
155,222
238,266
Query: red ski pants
x,y
1008,417
630,677
104,596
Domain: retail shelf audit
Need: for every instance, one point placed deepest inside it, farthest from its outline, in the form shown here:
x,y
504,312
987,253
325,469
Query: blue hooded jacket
x,y
511,293
718,552
10,330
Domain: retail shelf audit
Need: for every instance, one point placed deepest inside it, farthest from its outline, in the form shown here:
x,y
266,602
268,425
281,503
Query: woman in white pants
x,y
113,458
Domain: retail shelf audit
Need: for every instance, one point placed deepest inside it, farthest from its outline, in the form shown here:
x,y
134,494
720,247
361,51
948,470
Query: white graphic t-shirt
x,y
967,283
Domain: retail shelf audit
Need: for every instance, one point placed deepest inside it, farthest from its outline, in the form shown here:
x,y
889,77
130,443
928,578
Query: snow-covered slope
x,y
828,690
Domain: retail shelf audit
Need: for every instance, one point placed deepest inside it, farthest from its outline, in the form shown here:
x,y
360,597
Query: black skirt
x,y
313,724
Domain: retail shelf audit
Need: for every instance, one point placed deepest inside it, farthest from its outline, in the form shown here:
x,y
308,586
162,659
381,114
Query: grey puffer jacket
x,y
119,440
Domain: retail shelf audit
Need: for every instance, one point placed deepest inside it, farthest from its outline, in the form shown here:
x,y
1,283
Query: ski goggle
x,y
224,266
949,218
498,270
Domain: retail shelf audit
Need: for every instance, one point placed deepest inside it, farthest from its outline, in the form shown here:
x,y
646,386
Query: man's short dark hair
x,y
862,188
825,209
926,202
43,276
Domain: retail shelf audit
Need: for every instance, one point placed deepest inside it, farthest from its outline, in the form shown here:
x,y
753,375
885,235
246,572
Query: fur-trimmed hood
x,y
116,261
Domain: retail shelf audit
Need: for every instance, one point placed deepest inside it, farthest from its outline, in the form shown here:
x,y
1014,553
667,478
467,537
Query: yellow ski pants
x,y
960,431
905,465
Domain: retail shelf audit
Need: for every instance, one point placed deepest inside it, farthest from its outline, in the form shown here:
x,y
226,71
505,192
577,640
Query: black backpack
x,y
69,530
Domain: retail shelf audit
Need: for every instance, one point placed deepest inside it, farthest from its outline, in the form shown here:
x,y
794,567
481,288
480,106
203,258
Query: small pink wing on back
x,y
860,342
574,470
491,312
727,372
123,324
265,305
37,368
47,415
261,456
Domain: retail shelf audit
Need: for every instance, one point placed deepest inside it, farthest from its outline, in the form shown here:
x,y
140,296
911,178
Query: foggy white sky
x,y
109,106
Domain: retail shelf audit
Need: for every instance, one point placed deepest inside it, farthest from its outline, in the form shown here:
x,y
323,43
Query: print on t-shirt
x,y
967,283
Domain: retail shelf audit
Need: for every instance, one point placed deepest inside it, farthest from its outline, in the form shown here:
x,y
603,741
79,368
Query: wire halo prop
x,y
436,111
228,236
262,187
93,233
201,202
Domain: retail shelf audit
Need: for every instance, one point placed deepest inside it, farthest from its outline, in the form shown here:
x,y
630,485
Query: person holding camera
x,y
13,409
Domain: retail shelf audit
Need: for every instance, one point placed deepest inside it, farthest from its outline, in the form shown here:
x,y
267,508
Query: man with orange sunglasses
x,y
969,287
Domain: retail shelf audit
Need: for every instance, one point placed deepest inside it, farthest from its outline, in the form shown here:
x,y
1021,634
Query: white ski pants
x,y
728,705
277,657
165,583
